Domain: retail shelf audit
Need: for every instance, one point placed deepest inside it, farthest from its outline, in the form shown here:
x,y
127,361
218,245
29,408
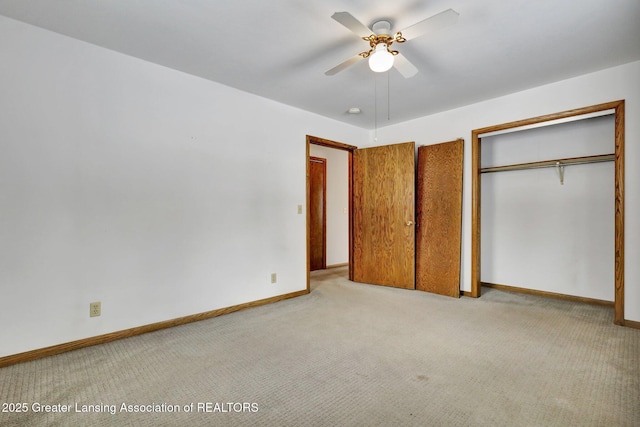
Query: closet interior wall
x,y
543,233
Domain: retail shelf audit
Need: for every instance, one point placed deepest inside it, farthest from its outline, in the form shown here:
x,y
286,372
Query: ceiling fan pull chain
x,y
388,99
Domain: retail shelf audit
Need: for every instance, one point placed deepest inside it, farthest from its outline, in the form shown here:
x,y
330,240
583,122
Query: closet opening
x,y
553,200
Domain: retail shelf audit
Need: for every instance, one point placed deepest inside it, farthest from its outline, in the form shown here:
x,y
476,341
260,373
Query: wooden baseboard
x,y
631,324
345,264
548,294
113,336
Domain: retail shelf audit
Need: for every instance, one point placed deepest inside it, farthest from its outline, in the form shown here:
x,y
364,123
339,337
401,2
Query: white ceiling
x,y
280,49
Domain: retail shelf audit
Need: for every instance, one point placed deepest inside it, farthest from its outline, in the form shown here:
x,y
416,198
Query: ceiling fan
x,y
380,38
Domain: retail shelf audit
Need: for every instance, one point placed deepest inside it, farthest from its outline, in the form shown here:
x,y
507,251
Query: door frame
x,y
339,146
476,139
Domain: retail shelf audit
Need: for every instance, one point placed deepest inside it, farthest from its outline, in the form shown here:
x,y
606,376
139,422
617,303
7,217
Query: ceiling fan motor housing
x,y
381,28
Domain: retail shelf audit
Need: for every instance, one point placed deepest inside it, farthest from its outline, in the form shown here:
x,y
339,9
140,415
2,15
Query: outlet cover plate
x,y
95,309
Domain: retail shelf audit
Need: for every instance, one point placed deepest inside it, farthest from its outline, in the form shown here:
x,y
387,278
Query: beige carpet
x,y
351,355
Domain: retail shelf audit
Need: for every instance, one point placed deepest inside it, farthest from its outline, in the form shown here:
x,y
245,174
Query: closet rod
x,y
552,163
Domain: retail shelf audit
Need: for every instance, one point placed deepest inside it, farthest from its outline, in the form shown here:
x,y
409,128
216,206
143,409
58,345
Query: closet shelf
x,y
552,163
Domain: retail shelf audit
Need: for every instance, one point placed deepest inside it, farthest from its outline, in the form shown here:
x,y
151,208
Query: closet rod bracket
x,y
560,168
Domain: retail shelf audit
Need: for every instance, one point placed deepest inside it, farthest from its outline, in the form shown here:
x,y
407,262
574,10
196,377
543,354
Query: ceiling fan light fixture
x,y
381,59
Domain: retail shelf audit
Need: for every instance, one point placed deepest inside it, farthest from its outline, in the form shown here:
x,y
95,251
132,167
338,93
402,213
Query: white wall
x,y
155,192
337,202
538,233
622,82
163,195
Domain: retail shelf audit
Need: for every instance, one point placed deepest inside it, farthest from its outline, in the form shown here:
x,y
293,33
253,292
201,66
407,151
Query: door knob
x,y
409,223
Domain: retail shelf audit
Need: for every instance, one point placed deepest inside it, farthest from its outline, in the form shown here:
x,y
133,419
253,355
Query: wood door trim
x,y
339,146
619,112
331,144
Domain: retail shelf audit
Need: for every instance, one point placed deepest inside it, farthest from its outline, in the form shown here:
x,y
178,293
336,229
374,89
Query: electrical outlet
x,y
274,277
95,309
299,209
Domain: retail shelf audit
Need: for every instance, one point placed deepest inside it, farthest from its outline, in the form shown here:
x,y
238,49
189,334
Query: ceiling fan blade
x,y
349,62
346,19
431,24
406,68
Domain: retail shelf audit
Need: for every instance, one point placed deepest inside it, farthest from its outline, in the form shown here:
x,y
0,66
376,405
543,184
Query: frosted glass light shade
x,y
380,60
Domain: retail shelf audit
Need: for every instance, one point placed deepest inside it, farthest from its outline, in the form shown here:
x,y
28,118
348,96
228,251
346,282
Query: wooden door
x,y
317,210
384,216
439,218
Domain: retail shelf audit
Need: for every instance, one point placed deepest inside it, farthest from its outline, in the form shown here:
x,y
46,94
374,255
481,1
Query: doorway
x,y
617,109
381,213
345,211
